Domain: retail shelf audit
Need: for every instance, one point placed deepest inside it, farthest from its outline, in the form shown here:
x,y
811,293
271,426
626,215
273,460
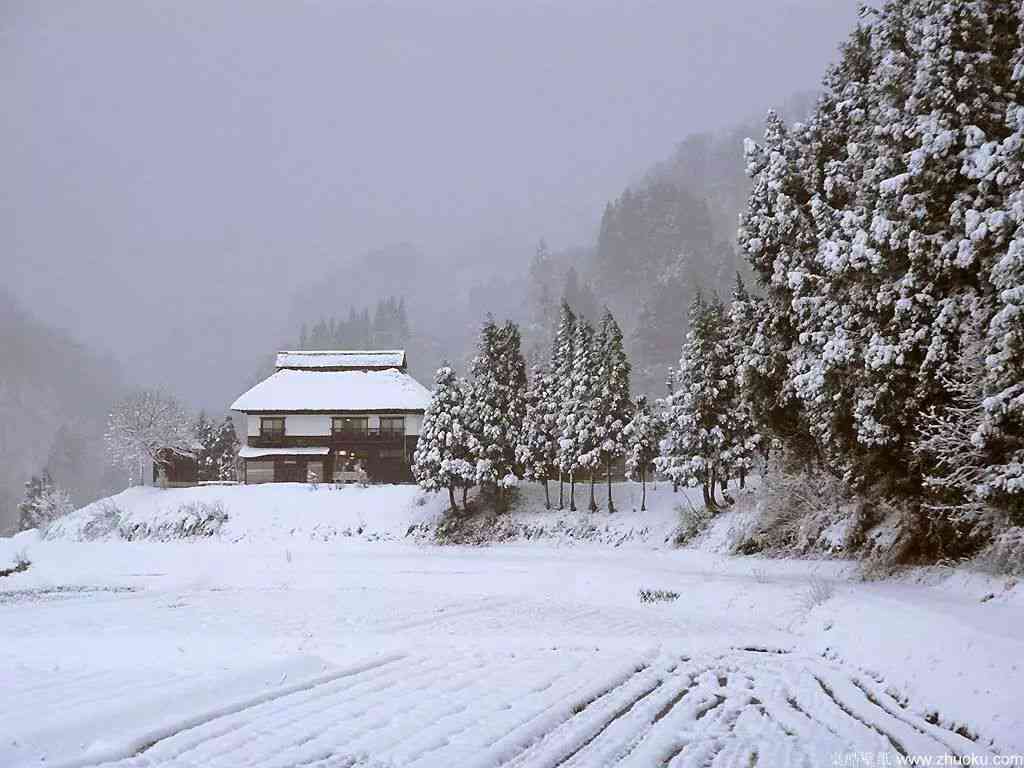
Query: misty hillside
x,y
54,398
665,236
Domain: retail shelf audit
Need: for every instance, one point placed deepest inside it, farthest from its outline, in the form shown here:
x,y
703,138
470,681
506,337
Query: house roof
x,y
248,452
291,391
341,360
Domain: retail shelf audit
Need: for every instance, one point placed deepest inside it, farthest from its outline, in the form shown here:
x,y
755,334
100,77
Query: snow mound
x,y
252,513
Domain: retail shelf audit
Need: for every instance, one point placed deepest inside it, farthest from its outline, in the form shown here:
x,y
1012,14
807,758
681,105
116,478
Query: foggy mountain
x,y
55,395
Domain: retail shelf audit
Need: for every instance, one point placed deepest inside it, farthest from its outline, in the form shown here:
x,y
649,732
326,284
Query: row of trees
x,y
572,418
887,233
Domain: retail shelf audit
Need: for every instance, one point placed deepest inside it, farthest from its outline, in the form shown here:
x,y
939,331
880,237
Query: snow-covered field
x,y
274,644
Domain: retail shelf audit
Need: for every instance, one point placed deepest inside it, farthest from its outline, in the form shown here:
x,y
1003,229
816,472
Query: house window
x,y
392,454
349,425
392,425
272,427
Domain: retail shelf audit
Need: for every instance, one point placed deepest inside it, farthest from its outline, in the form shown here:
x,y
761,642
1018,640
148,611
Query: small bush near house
x,y
657,595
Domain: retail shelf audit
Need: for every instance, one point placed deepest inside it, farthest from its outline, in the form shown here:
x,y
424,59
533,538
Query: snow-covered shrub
x,y
21,563
193,520
692,522
800,512
1005,556
818,591
105,522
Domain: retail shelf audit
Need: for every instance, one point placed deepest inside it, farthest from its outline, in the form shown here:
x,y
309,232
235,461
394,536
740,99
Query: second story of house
x,y
327,397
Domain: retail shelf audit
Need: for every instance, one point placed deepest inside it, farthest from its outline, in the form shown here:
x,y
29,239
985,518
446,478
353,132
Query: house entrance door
x,y
289,471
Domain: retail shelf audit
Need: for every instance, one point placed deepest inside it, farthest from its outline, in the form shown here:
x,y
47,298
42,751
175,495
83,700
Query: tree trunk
x,y
465,490
743,479
593,504
547,496
724,485
451,495
561,489
707,496
572,491
643,488
611,503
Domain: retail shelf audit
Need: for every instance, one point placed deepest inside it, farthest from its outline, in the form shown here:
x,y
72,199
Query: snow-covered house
x,y
328,412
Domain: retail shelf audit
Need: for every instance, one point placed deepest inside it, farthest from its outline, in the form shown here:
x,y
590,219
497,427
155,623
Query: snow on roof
x,y
341,359
248,452
291,390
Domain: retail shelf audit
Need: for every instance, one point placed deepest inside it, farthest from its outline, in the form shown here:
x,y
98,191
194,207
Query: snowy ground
x,y
285,650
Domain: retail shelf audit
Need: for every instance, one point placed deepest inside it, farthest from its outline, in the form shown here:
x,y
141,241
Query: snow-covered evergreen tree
x,y
562,355
217,449
44,502
642,435
741,435
543,302
998,232
498,404
776,235
697,408
581,429
537,451
443,456
612,395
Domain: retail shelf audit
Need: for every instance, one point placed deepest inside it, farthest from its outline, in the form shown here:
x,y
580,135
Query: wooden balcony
x,y
367,436
337,438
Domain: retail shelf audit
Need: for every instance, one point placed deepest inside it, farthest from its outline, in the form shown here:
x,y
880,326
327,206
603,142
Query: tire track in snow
x,y
139,744
853,716
564,709
920,725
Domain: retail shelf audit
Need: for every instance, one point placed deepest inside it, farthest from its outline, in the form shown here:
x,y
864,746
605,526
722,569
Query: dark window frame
x,y
338,428
390,431
268,433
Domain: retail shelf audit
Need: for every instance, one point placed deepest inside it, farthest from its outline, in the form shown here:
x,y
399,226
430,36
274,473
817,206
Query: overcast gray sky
x,y
182,163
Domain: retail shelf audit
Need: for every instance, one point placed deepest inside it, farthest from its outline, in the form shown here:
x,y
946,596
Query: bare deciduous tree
x,y
148,424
